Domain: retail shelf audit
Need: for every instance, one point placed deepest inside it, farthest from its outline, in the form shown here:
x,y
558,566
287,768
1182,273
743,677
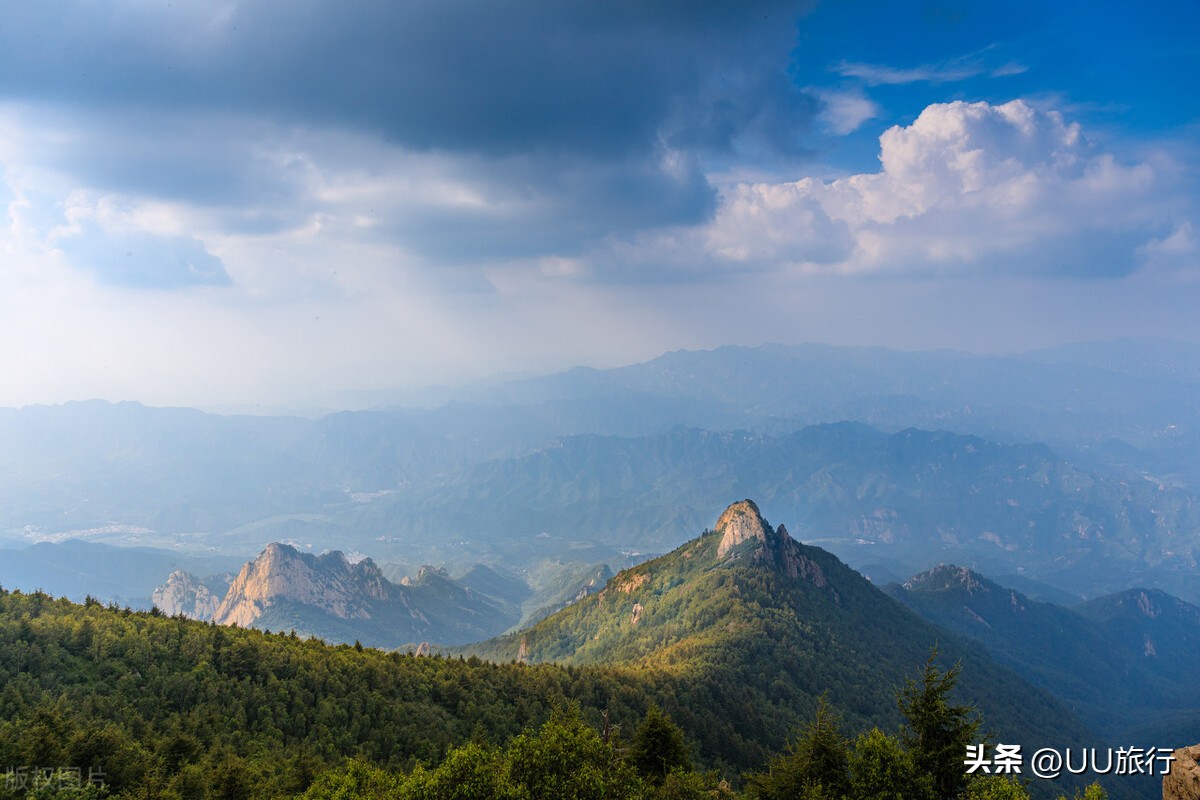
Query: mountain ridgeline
x,y
736,635
748,618
906,500
1125,662
339,599
330,597
1111,488
752,621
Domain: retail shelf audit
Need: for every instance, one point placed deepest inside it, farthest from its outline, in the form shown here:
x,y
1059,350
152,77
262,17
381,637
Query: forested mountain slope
x,y
1126,662
737,635
752,622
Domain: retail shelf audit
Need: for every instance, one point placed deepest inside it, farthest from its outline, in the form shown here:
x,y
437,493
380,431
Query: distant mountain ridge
x,y
1130,403
523,471
903,501
331,597
1126,662
1140,390
911,498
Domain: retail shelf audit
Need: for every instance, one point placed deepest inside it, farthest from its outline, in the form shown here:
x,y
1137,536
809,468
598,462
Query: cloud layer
x,y
967,187
249,202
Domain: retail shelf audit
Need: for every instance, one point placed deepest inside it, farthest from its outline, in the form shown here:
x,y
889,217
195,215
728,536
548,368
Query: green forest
x,y
164,707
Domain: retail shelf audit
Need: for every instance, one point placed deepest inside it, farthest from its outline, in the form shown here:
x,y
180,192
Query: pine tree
x,y
881,769
938,731
815,767
659,747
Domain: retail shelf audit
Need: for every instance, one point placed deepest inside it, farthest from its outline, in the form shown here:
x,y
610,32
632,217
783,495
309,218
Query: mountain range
x,y
1086,453
1070,476
341,599
906,500
889,504
746,595
1126,663
759,624
1140,392
334,598
736,634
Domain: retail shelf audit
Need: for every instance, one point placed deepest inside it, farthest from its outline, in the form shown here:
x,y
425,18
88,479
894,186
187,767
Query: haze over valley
x,y
395,396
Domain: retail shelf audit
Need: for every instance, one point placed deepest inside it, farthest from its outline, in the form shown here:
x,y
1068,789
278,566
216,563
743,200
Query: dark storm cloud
x,y
587,120
207,160
564,204
462,75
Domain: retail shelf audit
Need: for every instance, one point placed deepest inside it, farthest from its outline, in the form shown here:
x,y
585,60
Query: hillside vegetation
x,y
172,708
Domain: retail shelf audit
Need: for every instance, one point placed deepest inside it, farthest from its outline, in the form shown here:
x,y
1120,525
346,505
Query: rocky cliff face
x,y
329,597
740,523
329,583
745,534
947,577
184,594
1183,782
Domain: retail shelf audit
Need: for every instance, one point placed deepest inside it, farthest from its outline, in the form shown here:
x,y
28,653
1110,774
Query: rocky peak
x,y
742,522
745,534
947,577
425,575
428,573
186,595
329,582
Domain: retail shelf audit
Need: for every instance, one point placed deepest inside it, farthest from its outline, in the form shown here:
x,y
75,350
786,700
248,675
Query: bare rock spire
x,y
740,523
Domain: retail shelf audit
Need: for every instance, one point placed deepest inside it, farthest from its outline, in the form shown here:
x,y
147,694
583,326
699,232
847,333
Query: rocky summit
x,y
745,534
281,573
740,523
185,594
333,598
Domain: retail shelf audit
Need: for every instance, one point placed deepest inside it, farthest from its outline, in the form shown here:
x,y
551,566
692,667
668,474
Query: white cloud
x,y
356,264
951,70
844,112
966,186
748,226
879,74
1176,255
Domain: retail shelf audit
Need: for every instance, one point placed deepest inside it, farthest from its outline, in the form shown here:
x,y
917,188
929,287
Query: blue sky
x,y
296,204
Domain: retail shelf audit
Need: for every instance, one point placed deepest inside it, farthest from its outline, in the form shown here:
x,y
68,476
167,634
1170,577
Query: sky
x,y
319,203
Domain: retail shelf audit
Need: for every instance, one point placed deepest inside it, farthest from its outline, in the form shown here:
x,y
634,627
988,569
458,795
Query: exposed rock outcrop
x,y
740,523
948,576
744,533
523,651
328,582
1183,782
187,595
330,597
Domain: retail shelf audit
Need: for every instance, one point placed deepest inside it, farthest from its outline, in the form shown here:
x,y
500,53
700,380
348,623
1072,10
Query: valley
x,y
583,522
